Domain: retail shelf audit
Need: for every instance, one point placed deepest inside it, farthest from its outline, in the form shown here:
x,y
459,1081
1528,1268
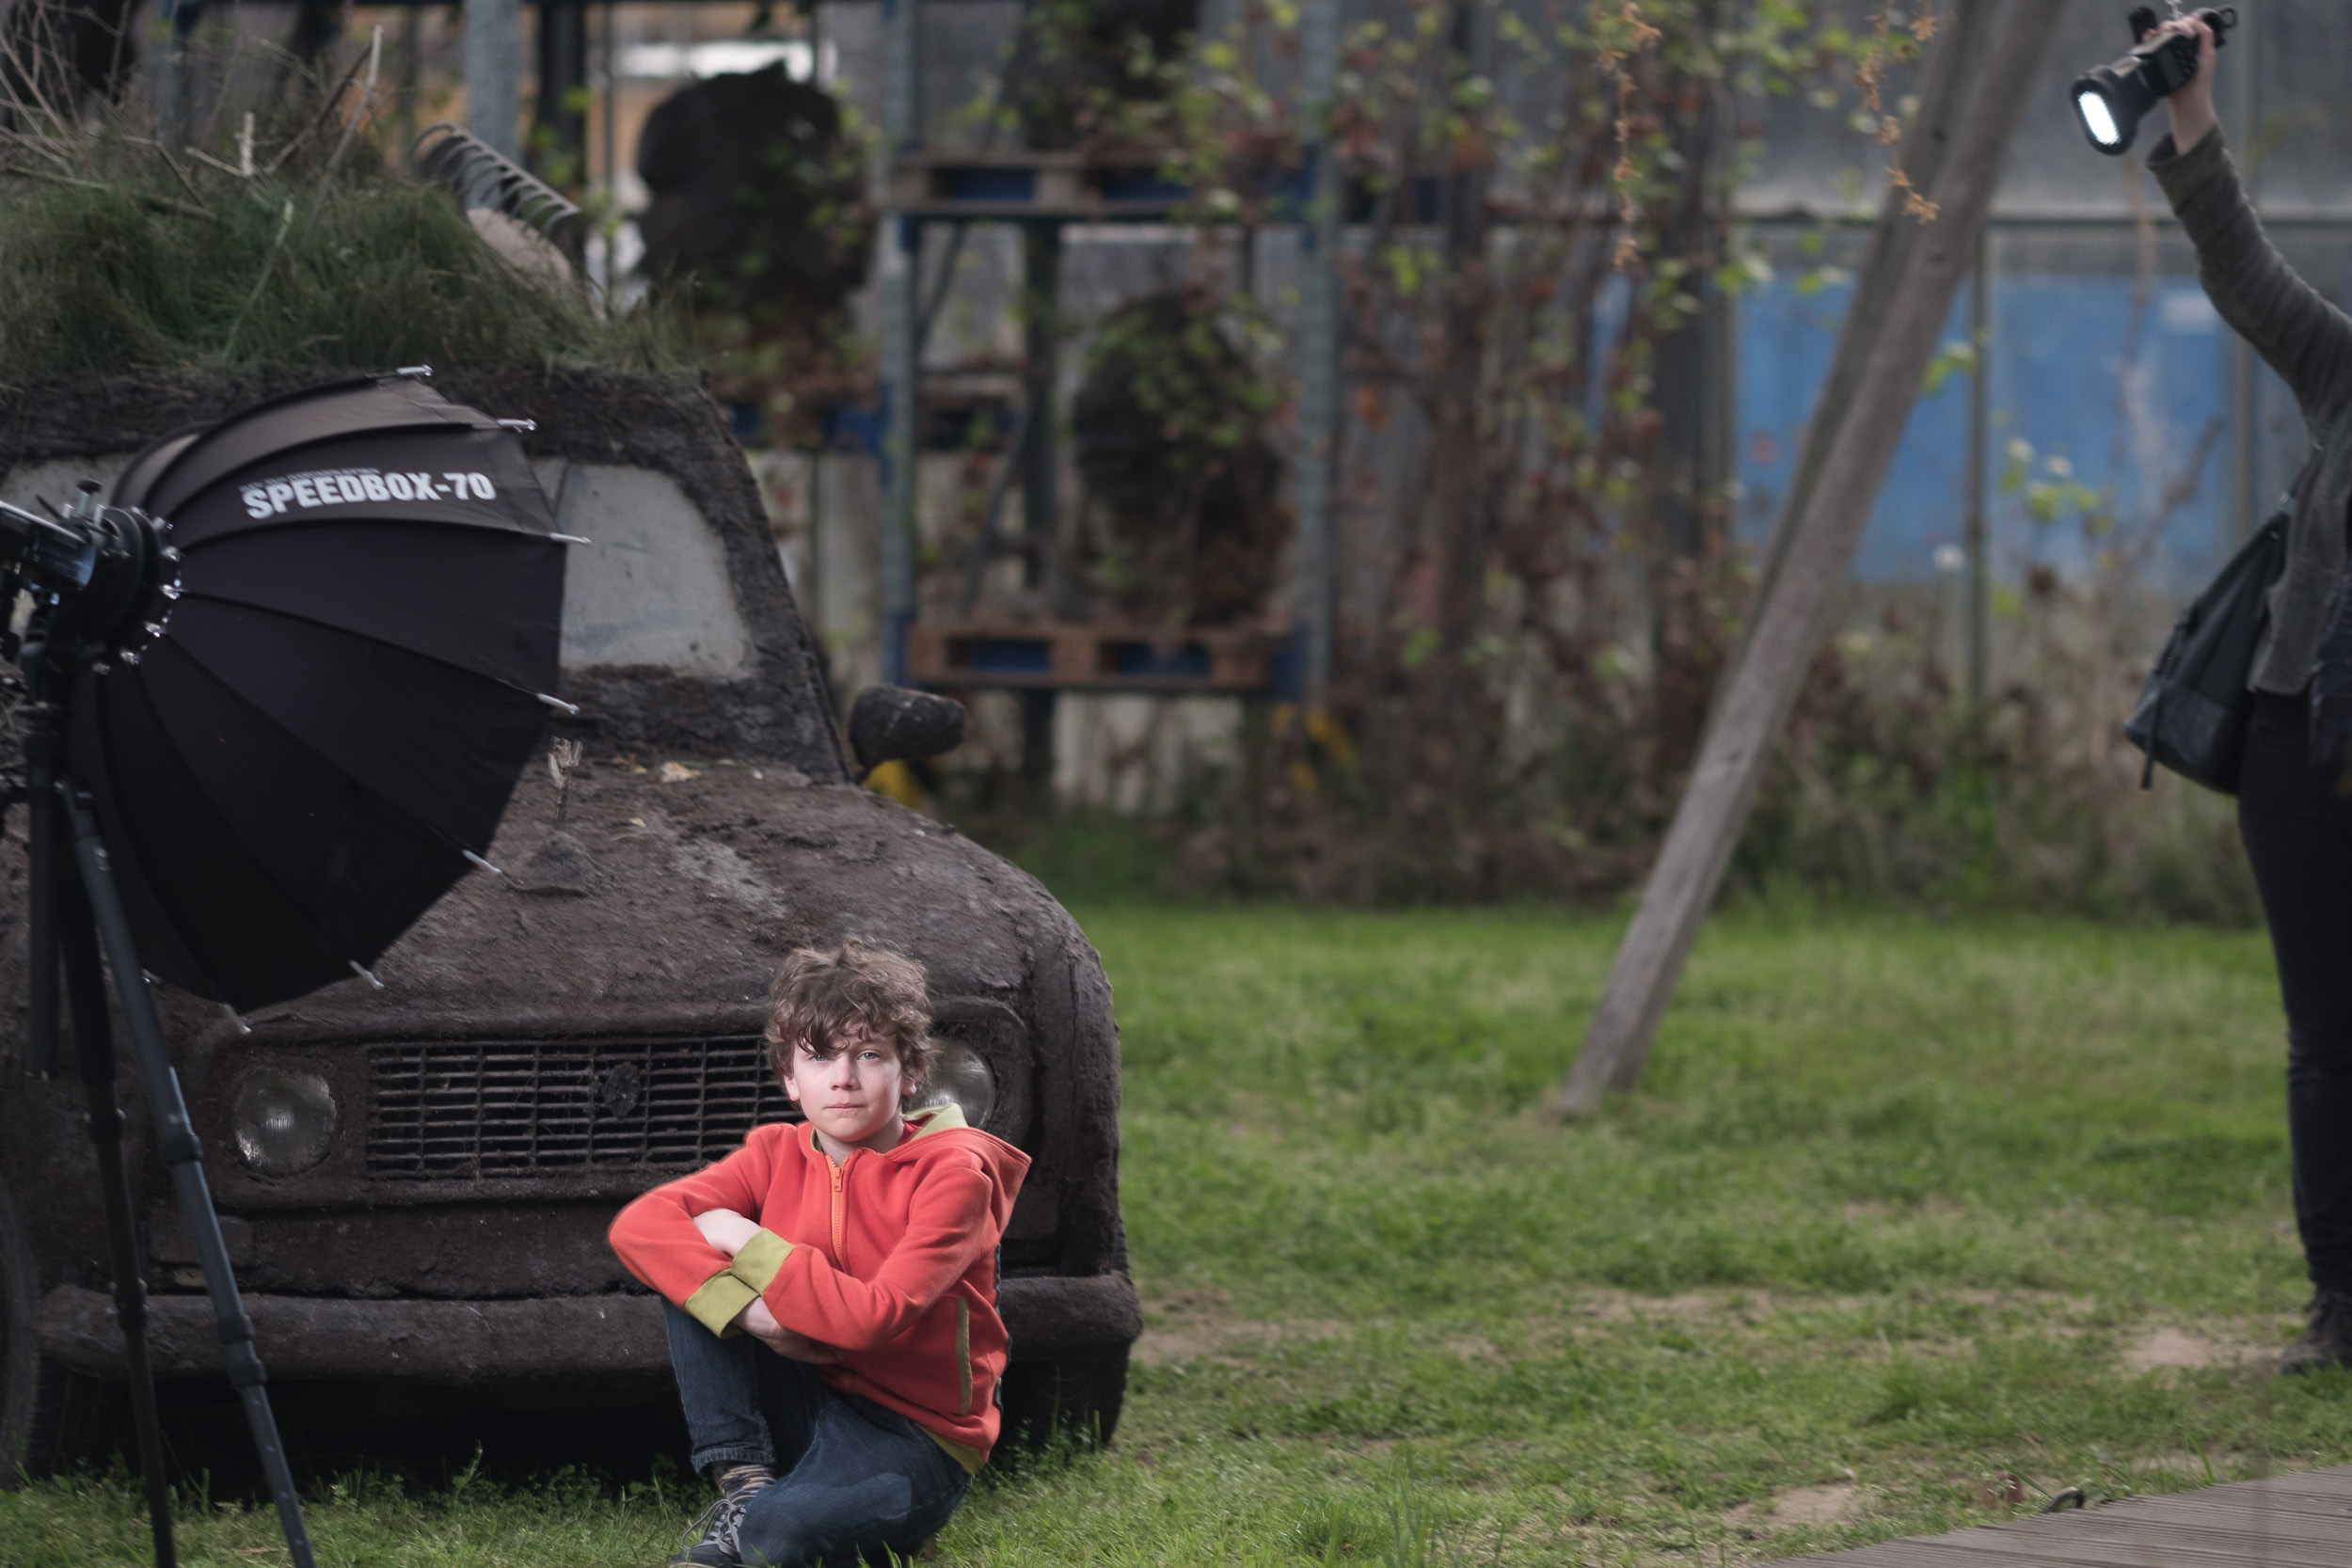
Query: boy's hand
x,y
2191,106
760,1323
725,1229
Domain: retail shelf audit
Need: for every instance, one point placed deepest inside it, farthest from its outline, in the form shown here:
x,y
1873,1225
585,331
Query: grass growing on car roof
x,y
1910,1225
115,260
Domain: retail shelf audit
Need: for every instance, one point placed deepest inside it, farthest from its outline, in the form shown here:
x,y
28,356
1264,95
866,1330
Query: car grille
x,y
467,1109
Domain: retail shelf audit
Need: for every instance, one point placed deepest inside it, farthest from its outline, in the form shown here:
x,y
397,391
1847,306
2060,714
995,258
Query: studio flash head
x,y
2110,99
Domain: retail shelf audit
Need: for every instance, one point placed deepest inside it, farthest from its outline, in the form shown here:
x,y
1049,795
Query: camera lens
x,y
284,1119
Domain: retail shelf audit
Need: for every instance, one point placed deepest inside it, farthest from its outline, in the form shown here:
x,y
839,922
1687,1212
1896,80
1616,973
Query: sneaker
x,y
738,1485
2326,1337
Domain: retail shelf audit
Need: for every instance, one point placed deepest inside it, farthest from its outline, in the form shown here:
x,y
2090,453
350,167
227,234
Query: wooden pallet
x,y
979,183
2296,1521
1061,655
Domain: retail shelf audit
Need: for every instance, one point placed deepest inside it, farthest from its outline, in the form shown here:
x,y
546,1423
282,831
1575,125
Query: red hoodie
x,y
889,1257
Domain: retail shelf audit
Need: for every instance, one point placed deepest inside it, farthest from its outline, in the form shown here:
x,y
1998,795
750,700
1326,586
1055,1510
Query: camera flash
x,y
2092,106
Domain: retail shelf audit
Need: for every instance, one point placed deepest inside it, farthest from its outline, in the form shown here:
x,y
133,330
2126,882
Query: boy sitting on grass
x,y
829,1288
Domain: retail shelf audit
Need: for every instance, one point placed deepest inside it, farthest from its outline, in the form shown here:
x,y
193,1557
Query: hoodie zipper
x,y
840,1173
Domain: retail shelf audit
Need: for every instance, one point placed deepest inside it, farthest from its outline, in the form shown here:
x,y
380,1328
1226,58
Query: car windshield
x,y
652,587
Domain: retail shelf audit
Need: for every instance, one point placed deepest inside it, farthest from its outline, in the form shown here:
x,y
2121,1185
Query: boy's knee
x,y
796,1524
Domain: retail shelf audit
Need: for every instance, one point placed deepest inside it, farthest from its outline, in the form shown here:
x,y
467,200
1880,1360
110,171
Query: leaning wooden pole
x,y
1952,70
1786,628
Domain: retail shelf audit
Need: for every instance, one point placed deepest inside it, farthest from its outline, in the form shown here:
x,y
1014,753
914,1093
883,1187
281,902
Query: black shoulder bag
x,y
2191,713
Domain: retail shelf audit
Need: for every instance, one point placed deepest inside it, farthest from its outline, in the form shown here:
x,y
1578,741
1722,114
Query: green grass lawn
x,y
1909,1225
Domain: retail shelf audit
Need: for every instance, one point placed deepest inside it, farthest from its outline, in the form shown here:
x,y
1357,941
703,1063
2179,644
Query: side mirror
x,y
890,723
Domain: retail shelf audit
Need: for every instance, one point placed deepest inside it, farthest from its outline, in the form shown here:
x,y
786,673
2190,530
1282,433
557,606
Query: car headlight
x,y
959,1076
284,1119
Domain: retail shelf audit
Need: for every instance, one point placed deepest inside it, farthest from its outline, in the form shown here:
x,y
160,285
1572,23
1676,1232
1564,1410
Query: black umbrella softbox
x,y
297,758
273,701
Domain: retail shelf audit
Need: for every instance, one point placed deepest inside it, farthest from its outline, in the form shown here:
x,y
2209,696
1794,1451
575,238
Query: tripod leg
x,y
184,1158
93,1041
44,823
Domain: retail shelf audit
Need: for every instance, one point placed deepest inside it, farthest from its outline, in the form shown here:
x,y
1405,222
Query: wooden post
x,y
901,292
1952,75
1786,628
1976,635
494,73
1319,336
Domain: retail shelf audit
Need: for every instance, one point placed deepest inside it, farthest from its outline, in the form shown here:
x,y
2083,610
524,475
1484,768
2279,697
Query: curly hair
x,y
820,993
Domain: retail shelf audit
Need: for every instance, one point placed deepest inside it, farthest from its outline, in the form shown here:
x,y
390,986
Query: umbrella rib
x,y
427,829
129,832
211,597
241,528
259,864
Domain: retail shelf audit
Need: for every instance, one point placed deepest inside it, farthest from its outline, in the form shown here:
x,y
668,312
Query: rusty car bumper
x,y
497,1341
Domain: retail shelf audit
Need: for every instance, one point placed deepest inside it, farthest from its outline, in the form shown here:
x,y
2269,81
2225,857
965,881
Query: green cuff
x,y
756,1263
720,1302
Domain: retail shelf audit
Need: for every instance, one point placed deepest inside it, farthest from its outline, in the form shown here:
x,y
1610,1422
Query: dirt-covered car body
x,y
429,1205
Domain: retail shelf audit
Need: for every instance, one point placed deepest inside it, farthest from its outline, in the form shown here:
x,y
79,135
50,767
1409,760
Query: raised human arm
x,y
2295,330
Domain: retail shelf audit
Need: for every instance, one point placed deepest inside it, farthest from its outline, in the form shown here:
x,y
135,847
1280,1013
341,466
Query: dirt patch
x,y
1192,1325
1817,1505
2167,1348
1994,1300
1753,1305
1830,1504
1195,1325
1624,1306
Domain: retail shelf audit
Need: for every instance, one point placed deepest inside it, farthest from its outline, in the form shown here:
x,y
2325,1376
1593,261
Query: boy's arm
x,y
951,1227
657,1241
730,1232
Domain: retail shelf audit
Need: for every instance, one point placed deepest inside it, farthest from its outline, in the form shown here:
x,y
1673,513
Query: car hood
x,y
663,896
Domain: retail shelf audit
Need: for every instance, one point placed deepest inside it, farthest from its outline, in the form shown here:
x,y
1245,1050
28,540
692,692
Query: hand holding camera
x,y
2191,105
2172,61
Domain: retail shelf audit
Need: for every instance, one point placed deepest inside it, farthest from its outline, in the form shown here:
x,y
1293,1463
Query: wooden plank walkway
x,y
2299,1521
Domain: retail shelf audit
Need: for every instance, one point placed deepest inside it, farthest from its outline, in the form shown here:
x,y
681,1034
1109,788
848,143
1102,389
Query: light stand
x,y
91,574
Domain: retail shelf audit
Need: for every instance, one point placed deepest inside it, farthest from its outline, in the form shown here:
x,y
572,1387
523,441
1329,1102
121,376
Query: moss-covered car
x,y
416,1182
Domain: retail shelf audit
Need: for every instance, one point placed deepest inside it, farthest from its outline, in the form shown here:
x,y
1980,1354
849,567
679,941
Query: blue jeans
x,y
853,1479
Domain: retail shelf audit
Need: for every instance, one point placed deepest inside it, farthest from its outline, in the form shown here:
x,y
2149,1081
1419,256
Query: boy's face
x,y
852,1093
